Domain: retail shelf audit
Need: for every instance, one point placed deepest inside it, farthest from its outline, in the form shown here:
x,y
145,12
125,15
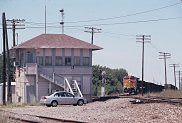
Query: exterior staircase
x,y
62,82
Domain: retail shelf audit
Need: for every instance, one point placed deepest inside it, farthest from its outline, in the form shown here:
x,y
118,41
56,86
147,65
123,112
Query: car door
x,y
61,98
56,97
69,98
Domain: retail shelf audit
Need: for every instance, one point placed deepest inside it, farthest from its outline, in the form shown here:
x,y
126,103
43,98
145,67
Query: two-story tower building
x,y
52,62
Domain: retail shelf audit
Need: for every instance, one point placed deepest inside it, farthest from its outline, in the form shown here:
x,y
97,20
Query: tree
x,y
113,78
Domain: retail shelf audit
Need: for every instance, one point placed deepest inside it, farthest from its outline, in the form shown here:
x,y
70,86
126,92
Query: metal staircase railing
x,y
76,87
63,82
51,79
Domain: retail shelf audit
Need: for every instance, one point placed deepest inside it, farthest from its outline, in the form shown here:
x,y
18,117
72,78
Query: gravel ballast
x,y
110,111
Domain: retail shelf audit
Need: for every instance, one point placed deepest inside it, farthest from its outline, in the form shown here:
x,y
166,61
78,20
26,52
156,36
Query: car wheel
x,y
48,105
80,102
54,103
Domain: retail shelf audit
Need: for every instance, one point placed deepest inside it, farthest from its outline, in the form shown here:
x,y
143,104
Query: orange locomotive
x,y
130,84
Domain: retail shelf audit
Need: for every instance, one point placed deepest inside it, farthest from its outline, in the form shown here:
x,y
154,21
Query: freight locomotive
x,y
133,85
130,84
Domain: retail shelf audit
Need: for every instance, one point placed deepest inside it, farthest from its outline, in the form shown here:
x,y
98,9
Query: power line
x,y
130,22
110,18
121,23
128,15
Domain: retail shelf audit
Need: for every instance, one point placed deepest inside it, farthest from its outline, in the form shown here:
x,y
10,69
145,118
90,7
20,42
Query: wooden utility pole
x,y
164,55
92,30
9,92
143,39
4,58
6,64
179,74
174,68
15,24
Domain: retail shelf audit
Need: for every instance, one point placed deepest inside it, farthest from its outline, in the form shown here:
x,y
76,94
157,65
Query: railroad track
x,y
138,99
175,101
27,118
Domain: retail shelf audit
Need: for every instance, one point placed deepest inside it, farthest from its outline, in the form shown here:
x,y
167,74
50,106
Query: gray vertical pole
x,y
4,60
92,35
179,80
175,77
142,62
45,19
14,43
9,95
165,72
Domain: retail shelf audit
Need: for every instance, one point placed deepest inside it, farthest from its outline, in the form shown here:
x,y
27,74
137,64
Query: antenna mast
x,y
62,21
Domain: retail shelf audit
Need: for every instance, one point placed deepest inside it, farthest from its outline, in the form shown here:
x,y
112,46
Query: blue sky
x,y
118,40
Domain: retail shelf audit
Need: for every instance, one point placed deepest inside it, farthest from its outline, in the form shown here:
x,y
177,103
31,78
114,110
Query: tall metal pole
x,y
62,22
143,38
45,18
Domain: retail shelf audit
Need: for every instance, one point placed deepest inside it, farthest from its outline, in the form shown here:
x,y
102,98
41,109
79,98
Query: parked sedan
x,y
62,98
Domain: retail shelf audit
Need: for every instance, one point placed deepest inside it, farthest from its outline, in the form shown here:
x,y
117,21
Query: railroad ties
x,y
140,100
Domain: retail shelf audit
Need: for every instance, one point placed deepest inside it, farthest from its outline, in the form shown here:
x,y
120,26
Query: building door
x,y
30,93
86,85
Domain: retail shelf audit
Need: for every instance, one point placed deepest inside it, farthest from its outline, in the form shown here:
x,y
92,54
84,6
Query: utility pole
x,y
9,92
17,38
15,24
92,30
6,64
143,39
62,22
179,74
164,55
174,68
180,84
4,58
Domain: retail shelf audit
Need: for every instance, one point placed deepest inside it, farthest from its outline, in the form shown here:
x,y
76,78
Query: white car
x,y
62,98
